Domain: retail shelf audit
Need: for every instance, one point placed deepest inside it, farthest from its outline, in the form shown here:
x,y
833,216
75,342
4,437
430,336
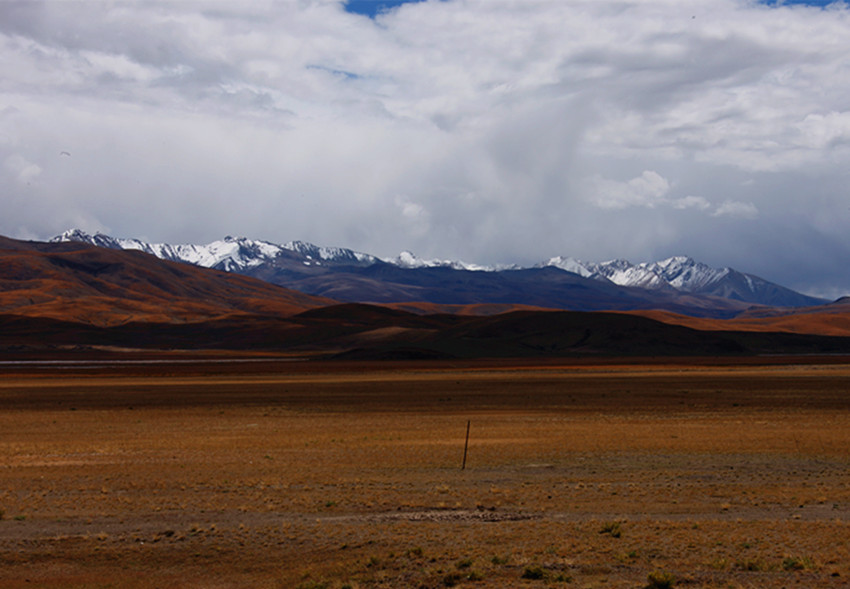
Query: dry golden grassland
x,y
311,475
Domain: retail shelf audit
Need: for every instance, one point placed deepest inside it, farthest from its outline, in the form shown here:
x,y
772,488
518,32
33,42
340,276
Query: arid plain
x,y
277,473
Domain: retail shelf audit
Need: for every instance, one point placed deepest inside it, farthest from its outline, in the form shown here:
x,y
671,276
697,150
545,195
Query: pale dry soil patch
x,y
334,475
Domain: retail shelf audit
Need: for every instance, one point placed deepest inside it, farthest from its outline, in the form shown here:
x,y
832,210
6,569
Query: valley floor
x,y
320,474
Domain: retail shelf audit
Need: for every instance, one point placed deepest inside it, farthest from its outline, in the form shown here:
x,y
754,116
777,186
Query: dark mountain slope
x,y
678,284
364,332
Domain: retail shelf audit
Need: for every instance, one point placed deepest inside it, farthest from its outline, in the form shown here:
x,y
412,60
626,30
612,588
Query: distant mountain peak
x,y
72,235
408,259
297,260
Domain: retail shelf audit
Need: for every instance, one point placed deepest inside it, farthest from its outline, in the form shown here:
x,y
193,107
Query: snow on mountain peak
x,y
679,272
570,265
685,273
408,259
240,254
329,254
72,235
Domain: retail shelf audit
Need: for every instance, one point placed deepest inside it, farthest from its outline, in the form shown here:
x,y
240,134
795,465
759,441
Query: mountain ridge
x,y
77,297
680,283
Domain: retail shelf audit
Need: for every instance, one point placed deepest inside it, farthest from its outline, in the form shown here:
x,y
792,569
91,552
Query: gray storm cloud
x,y
495,132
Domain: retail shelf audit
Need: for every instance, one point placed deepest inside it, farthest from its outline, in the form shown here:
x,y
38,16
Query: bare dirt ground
x,y
311,474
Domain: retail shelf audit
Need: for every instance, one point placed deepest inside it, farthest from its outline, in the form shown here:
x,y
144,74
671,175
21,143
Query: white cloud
x,y
742,210
691,202
23,172
647,190
516,130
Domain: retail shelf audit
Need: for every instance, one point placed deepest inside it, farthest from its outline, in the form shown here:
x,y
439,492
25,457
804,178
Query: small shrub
x,y
414,552
500,560
534,573
660,580
751,564
464,564
612,529
791,563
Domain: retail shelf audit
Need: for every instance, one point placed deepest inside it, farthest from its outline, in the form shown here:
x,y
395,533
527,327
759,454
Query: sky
x,y
488,131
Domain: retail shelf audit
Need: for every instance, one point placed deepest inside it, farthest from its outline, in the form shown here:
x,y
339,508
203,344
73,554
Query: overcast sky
x,y
491,131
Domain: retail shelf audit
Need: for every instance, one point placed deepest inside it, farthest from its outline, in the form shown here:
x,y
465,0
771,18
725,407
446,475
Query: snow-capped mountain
x,y
686,275
680,272
231,254
235,254
408,259
339,255
678,283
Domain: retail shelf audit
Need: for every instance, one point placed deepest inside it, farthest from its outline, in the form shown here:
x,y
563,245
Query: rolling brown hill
x,y
80,283
832,319
366,332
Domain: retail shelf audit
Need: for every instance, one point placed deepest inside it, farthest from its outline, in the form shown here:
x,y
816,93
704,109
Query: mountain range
x,y
678,284
73,297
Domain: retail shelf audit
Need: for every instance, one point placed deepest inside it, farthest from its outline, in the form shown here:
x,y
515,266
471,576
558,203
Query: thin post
x,y
465,445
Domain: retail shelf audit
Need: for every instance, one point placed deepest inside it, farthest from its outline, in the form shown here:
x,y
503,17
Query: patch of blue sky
x,y
373,8
821,3
336,72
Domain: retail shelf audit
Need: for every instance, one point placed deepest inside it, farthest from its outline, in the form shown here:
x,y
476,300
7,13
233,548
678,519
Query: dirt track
x,y
282,474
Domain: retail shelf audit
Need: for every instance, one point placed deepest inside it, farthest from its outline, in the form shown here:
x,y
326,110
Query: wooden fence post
x,y
465,445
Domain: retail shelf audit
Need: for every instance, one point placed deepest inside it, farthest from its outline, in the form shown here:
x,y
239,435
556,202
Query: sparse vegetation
x,y
613,529
792,563
534,573
373,561
661,580
537,506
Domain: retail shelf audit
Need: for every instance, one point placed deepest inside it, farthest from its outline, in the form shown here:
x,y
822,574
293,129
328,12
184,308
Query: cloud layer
x,y
495,132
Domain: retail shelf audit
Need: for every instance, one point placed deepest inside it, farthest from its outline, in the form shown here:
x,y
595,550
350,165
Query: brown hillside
x,y
478,309
833,319
83,283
